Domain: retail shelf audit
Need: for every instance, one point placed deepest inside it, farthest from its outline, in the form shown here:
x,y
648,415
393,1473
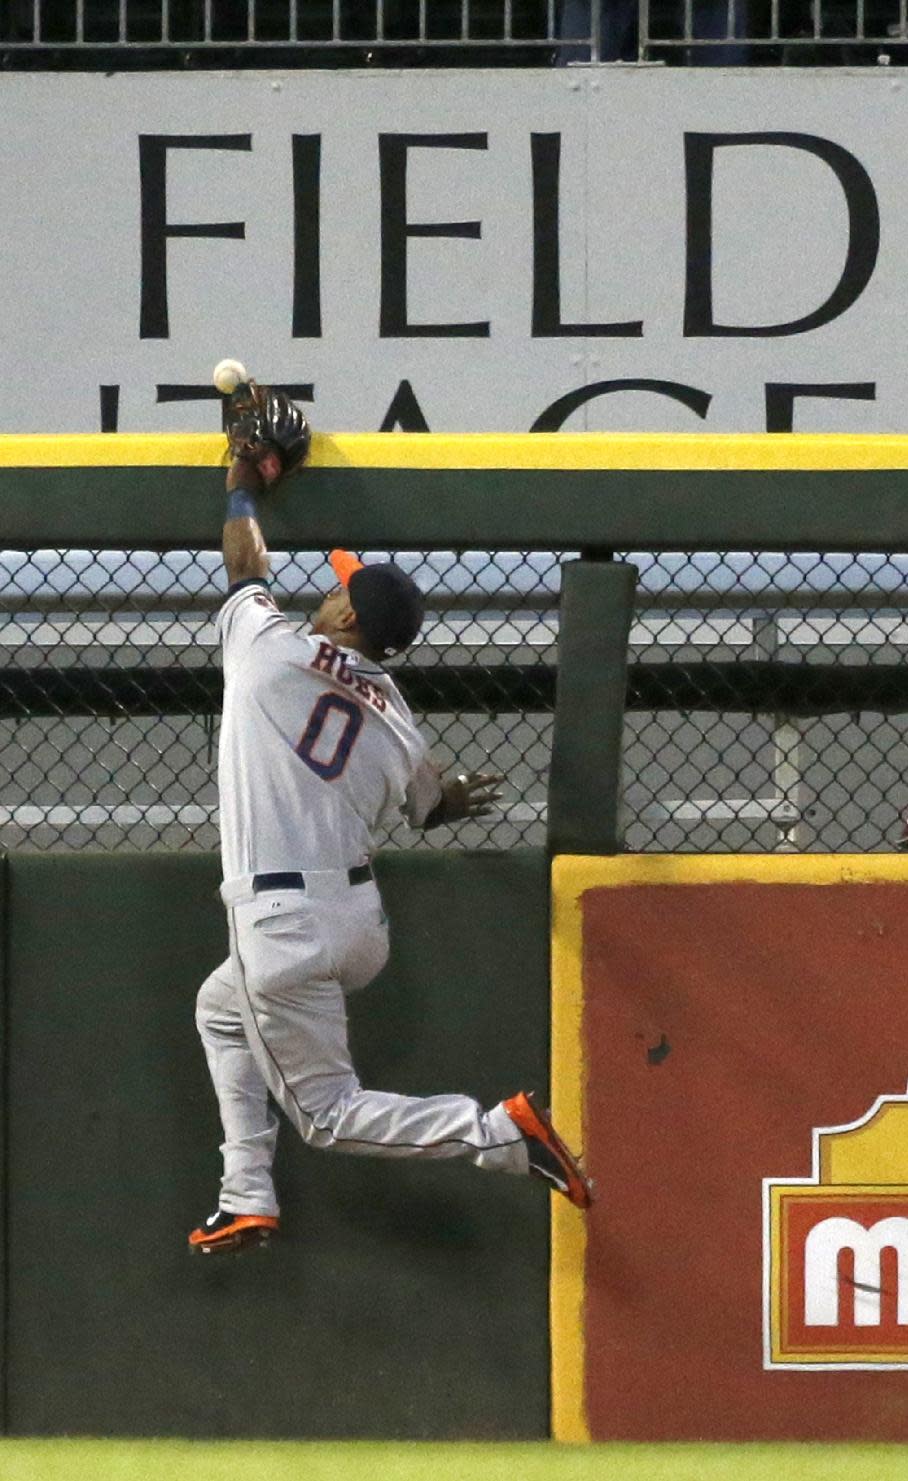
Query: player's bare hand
x,y
473,794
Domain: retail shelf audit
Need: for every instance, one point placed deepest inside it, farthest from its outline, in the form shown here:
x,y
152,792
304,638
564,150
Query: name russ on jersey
x,y
329,660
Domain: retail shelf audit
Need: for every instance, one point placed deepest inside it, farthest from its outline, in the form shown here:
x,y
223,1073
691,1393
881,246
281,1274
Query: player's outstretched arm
x,y
245,551
472,794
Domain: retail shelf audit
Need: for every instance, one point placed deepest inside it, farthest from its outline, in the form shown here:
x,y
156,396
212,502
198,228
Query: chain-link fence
x,y
110,689
767,703
765,698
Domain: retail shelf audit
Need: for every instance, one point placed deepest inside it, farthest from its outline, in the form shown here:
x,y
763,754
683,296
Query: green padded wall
x,y
404,1300
474,508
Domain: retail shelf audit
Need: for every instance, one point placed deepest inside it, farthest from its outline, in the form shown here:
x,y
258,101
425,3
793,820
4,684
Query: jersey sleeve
x,y
423,792
248,615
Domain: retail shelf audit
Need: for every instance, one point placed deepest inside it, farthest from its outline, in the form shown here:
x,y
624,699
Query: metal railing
x,y
367,29
60,33
784,31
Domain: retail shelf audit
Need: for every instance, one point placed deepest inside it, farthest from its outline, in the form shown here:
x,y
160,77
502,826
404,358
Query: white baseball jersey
x,y
317,749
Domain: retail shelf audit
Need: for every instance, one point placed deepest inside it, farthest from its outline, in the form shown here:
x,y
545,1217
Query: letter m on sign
x,y
835,1249
836,1277
828,1287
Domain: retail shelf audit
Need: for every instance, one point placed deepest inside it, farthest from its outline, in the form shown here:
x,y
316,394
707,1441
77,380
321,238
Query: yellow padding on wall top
x,y
789,451
575,873
112,450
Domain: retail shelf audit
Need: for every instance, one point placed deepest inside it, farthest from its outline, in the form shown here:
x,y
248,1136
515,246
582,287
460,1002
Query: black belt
x,y
291,879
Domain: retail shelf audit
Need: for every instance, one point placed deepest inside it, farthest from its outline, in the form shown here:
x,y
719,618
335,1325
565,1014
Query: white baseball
x,y
227,375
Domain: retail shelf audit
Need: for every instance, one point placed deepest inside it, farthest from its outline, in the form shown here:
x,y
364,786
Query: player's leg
x,y
250,1125
293,956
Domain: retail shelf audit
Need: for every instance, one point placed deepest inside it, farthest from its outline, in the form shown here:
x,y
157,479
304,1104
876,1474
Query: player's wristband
x,y
241,505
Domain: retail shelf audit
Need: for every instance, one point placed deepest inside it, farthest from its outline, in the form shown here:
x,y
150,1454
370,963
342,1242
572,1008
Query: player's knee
x,y
213,998
328,1100
205,1004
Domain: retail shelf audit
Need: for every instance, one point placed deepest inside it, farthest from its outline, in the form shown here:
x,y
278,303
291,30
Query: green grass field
x,y
189,1460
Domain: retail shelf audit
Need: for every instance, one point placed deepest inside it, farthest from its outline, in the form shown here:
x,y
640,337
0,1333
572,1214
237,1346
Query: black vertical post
x,y
597,602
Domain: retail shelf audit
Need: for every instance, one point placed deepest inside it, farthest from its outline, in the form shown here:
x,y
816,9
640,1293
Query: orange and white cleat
x,y
549,1158
226,1231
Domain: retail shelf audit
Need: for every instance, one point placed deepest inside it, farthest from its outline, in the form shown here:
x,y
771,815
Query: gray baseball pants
x,y
273,1018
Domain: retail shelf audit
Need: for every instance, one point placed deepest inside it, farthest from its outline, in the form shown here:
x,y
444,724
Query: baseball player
x,y
317,749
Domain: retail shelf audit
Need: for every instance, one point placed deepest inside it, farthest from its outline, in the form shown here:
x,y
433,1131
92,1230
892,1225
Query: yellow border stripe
x,y
567,1289
112,450
588,872
572,876
537,450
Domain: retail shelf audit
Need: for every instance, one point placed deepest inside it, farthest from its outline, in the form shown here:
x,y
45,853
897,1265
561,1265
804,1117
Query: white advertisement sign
x,y
603,248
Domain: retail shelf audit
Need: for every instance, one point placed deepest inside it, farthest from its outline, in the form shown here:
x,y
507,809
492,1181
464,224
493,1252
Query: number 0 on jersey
x,y
343,721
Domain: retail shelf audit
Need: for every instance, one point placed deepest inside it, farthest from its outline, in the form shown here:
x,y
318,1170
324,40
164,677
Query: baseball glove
x,y
266,427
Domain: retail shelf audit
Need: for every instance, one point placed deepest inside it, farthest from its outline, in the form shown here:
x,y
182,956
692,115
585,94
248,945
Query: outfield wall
x,y
411,1301
403,1300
